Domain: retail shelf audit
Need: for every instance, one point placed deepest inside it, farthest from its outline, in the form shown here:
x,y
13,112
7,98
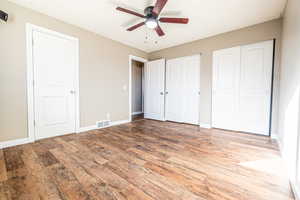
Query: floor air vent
x,y
103,124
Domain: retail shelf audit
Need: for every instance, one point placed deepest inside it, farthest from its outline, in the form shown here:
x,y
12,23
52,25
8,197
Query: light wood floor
x,y
137,117
145,160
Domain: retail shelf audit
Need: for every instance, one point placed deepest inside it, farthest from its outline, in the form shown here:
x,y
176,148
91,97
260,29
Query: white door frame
x,y
30,77
131,58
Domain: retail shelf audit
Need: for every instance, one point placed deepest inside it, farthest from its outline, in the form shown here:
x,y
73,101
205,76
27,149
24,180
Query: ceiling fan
x,y
152,17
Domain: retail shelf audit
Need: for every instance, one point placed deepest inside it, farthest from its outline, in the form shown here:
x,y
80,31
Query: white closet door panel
x,y
255,87
154,89
226,65
191,89
182,86
174,88
54,74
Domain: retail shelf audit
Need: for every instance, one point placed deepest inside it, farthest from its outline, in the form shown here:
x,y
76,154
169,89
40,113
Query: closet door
x,y
174,90
191,89
242,78
226,69
182,88
255,87
155,90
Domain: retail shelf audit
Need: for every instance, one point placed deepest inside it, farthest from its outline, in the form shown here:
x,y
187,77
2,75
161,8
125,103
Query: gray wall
x,y
256,33
137,89
289,106
103,72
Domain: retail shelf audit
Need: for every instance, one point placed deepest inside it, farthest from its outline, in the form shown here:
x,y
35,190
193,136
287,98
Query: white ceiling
x,y
207,18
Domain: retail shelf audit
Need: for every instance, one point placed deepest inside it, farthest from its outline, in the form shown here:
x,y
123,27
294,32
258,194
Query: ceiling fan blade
x,y
129,12
160,4
136,26
174,20
159,31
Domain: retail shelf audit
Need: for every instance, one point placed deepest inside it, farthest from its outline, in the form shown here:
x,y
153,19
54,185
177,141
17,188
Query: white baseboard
x,y
94,127
204,125
12,143
292,183
274,136
87,128
295,191
115,123
137,113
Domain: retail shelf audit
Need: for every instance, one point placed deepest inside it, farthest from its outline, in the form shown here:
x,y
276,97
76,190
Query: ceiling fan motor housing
x,y
149,12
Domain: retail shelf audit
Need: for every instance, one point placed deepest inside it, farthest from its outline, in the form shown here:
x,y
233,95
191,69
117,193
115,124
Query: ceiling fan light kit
x,y
152,17
151,23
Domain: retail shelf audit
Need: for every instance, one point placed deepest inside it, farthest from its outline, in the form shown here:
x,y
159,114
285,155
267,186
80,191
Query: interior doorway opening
x,y
137,88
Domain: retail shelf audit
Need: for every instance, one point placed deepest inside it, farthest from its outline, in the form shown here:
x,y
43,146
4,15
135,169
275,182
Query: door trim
x,y
30,77
131,58
272,90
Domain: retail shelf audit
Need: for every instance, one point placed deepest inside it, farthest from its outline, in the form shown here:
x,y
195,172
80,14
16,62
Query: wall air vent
x,y
103,124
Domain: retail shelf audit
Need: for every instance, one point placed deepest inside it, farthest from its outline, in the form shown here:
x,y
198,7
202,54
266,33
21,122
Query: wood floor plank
x,y
196,186
145,160
3,173
67,183
84,178
13,158
4,191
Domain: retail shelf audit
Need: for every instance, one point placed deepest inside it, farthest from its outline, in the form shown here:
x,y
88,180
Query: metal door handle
x,y
161,93
72,92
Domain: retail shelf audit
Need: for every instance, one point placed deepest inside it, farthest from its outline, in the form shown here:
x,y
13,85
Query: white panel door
x,y
192,90
54,60
226,69
255,87
242,78
155,90
175,90
182,88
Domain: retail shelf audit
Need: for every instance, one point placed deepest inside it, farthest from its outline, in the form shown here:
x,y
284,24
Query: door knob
x,y
161,93
72,92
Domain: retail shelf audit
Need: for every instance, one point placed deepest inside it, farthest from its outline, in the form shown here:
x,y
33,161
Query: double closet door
x,y
183,89
241,96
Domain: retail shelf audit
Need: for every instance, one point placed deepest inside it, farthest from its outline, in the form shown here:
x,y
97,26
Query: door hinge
x,y
34,123
32,41
33,83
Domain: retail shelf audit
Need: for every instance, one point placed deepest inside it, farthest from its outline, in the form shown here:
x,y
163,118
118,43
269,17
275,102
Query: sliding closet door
x,y
242,78
155,90
255,87
226,69
182,88
192,89
174,90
